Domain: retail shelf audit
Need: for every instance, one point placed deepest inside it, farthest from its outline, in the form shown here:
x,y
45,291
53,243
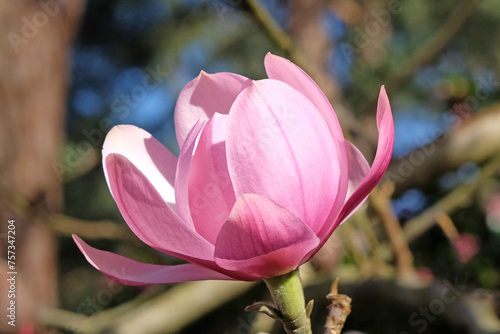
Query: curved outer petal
x,y
262,238
150,218
204,96
279,146
183,173
130,272
211,194
153,159
385,126
358,170
282,69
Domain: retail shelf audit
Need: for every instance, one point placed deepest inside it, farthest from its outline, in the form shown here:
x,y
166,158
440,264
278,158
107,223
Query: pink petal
x,y
211,194
262,238
149,217
183,173
385,126
279,146
130,272
358,170
282,69
153,159
204,96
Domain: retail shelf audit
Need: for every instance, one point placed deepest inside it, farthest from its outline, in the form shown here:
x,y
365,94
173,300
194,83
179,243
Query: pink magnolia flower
x,y
263,178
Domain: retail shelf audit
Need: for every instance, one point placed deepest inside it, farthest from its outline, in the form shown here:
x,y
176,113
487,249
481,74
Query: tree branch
x,y
429,50
434,45
63,224
457,198
166,313
380,200
474,139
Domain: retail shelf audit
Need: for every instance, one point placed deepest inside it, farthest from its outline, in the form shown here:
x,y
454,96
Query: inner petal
x,y
280,147
211,193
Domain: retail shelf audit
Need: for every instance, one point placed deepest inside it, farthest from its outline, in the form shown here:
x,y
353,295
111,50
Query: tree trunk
x,y
34,71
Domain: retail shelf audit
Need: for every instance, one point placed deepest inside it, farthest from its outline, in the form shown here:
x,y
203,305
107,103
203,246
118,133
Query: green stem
x,y
288,297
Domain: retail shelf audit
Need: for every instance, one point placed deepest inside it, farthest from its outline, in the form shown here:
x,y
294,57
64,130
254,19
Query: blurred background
x,y
422,256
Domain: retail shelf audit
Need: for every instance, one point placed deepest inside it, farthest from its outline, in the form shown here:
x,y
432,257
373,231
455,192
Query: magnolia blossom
x,y
263,178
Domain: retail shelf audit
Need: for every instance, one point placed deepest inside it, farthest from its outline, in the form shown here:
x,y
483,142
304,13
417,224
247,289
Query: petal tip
x,y
383,91
271,61
203,76
119,134
269,55
109,159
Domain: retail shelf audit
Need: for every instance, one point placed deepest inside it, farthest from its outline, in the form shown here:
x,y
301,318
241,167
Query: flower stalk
x,y
288,297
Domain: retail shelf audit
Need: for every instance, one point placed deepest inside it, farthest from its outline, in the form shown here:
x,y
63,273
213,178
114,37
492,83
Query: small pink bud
x,y
466,247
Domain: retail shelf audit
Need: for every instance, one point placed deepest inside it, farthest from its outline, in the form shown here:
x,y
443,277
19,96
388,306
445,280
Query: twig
x,y
361,220
474,312
339,310
430,49
278,35
63,224
274,30
61,318
444,221
91,160
380,199
474,139
166,313
434,45
350,235
460,196
101,229
320,76
79,323
455,199
378,267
